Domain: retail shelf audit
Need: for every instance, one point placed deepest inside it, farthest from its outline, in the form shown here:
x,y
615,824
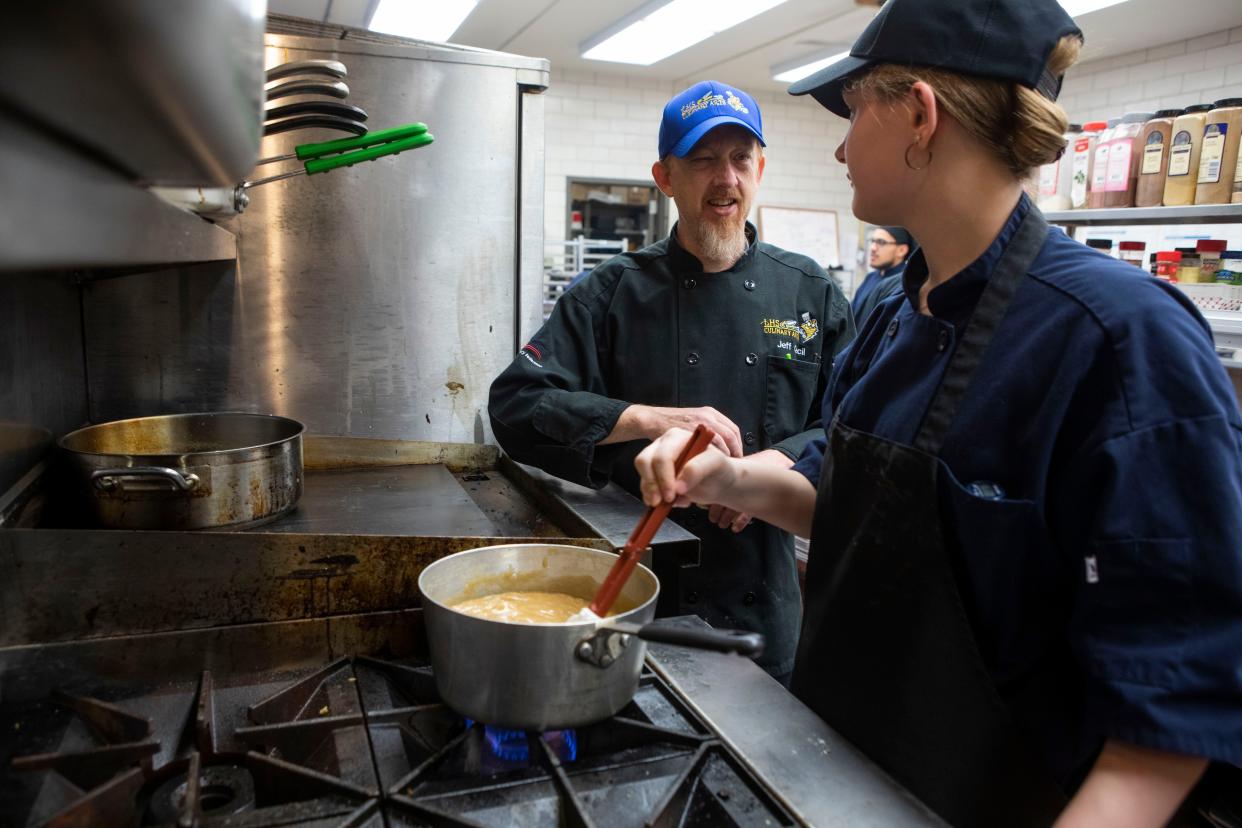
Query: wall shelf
x,y
1194,214
1226,326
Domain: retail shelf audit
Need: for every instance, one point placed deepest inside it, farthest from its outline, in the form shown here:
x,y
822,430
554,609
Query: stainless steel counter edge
x,y
68,211
820,777
610,513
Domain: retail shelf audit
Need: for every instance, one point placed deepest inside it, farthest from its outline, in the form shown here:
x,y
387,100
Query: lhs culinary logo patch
x,y
736,102
714,99
803,330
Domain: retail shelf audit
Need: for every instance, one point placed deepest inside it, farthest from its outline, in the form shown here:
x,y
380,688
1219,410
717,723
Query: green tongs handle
x,y
368,147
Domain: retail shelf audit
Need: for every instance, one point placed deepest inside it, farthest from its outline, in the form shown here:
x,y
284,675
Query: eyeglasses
x,y
880,242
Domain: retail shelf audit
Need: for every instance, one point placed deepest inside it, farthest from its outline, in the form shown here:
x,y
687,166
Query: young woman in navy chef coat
x,y
1024,594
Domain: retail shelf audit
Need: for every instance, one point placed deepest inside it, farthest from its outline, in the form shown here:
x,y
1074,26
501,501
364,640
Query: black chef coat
x,y
756,342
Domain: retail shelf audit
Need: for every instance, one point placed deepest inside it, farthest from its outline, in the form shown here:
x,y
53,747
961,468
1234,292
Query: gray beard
x,y
722,244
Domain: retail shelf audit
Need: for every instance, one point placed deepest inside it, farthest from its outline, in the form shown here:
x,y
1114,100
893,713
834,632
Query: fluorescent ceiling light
x,y
1077,8
422,21
662,28
786,73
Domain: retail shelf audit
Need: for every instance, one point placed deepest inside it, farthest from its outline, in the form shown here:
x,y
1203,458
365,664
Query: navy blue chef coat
x,y
877,286
1104,416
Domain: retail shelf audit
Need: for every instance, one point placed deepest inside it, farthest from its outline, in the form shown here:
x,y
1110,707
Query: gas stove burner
x,y
223,790
358,742
514,746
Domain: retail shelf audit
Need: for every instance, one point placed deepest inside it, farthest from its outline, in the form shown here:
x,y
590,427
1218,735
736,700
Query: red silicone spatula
x,y
641,537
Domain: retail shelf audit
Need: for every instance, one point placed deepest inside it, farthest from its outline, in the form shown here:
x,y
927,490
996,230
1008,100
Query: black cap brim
x,y
827,84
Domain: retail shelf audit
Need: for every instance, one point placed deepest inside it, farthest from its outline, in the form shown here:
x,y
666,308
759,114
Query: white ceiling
x,y
745,54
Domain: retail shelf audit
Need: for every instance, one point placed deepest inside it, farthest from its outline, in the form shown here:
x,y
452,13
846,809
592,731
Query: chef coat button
x,y
749,284
942,341
892,328
692,597
748,598
692,358
688,284
751,359
749,439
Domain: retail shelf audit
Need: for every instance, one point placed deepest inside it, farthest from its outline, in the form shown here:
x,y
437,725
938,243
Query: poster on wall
x,y
802,230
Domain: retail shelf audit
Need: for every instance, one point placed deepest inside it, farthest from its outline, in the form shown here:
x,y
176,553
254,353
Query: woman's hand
x,y
761,485
703,480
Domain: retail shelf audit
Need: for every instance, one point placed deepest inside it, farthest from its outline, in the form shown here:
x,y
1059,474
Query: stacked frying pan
x,y
310,93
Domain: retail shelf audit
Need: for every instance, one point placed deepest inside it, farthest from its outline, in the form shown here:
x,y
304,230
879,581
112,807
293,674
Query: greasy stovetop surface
x,y
357,741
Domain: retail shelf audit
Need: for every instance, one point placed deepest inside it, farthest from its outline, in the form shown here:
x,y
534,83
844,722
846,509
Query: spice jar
x,y
1189,267
1083,155
1209,252
1057,179
1167,264
1237,181
1099,165
1153,143
1230,267
1105,246
1184,149
1218,159
1132,252
1121,177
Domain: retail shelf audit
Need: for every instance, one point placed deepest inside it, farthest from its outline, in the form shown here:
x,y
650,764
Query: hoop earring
x,y
914,144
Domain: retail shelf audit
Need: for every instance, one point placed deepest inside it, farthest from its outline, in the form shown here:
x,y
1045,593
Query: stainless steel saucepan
x,y
188,471
546,676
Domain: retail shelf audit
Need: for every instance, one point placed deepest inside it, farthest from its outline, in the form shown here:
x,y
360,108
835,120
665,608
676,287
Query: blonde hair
x,y
1021,127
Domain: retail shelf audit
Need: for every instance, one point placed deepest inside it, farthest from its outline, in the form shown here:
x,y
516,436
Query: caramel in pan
x,y
525,607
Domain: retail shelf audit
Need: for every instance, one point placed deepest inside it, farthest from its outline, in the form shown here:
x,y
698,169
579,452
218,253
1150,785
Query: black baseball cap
x,y
1001,39
900,235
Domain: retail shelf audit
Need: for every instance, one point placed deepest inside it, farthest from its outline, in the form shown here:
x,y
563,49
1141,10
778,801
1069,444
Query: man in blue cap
x,y
707,326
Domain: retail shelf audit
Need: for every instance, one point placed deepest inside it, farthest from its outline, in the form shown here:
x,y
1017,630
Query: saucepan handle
x,y
749,644
603,647
109,479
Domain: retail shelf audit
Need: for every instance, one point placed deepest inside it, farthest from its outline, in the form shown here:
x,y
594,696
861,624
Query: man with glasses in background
x,y
887,251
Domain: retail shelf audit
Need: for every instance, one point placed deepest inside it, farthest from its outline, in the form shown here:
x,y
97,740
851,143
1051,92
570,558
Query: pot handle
x,y
742,642
110,479
608,642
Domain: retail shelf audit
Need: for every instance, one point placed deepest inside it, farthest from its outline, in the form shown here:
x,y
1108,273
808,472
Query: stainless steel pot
x,y
545,676
188,471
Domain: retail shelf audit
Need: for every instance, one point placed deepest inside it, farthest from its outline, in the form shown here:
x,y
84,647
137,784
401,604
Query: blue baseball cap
x,y
697,111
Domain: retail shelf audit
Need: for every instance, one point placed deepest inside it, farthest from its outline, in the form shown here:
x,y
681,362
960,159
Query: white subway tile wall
x,y
601,125
1200,70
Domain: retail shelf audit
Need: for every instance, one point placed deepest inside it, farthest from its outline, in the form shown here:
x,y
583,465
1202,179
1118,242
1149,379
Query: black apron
x,y
887,655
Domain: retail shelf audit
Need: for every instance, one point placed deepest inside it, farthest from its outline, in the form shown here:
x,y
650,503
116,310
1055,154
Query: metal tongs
x,y
317,158
329,155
